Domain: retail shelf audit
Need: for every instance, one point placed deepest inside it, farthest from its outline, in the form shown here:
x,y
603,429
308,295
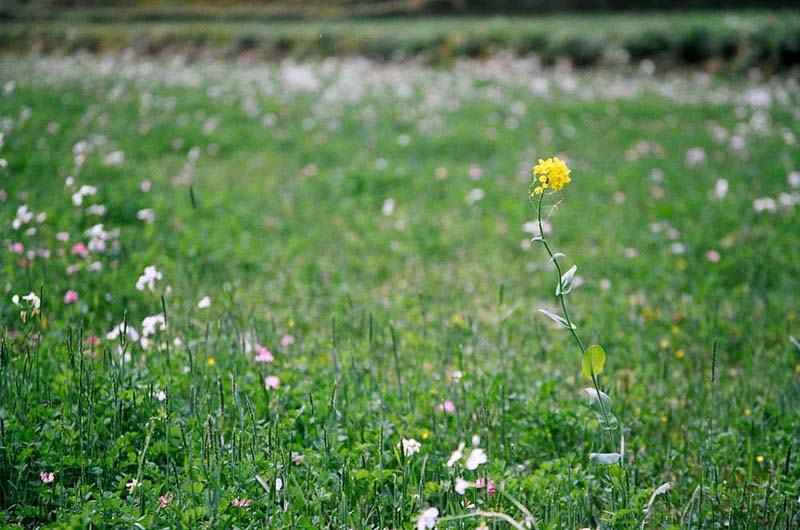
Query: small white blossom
x,y
476,458
148,279
410,446
427,519
456,456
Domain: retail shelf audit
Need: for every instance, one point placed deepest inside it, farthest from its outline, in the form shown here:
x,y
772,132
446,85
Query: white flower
x,y
33,299
476,458
148,279
83,191
767,204
475,195
133,335
720,189
148,215
114,158
794,179
151,323
462,485
427,519
410,446
388,207
132,485
96,209
456,456
204,303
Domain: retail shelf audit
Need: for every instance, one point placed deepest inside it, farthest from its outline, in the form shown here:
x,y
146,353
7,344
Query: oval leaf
x,y
594,358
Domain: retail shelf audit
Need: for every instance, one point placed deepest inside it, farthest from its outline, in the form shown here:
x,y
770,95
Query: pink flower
x,y
46,477
446,406
272,381
80,249
91,340
244,503
163,501
70,297
17,248
287,340
264,355
481,482
713,256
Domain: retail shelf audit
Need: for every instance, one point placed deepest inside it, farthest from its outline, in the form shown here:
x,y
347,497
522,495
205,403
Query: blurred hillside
x,y
106,10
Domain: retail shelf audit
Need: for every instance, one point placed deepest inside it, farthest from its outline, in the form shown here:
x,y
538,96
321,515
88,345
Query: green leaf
x,y
593,360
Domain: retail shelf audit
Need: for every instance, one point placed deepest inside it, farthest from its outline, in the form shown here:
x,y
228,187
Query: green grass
x,y
277,217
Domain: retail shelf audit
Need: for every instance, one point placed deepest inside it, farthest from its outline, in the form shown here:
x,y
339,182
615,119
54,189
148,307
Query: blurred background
x,y
732,35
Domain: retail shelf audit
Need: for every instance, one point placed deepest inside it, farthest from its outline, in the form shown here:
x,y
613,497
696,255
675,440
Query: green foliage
x,y
280,215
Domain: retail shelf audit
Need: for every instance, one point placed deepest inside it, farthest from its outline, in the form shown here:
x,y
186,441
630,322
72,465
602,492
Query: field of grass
x,y
343,260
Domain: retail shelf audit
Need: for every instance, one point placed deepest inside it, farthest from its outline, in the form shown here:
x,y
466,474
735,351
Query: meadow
x,y
281,295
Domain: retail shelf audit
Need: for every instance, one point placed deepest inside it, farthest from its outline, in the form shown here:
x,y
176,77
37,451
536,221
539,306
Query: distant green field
x,y
740,39
369,225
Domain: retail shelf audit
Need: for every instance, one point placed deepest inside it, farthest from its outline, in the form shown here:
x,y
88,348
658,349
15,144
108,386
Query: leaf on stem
x,y
565,285
604,459
600,404
556,318
594,358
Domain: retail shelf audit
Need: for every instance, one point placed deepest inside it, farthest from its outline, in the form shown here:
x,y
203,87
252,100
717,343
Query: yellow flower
x,y
759,459
552,173
211,361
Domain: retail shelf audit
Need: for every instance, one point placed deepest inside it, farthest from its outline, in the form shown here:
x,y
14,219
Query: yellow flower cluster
x,y
552,173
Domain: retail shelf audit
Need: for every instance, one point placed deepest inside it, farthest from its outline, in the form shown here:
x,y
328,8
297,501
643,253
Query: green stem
x,y
554,259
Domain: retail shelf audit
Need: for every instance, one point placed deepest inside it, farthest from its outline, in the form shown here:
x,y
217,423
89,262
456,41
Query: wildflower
x,y
388,207
462,485
410,446
446,406
46,477
264,355
17,248
92,340
211,361
34,300
164,501
70,297
148,279
272,381
713,256
80,249
287,340
152,324
427,519
148,215
456,456
759,459
204,303
476,458
132,485
488,483
552,173
83,191
243,503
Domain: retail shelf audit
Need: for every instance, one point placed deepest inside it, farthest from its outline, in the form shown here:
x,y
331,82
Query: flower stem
x,y
561,299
